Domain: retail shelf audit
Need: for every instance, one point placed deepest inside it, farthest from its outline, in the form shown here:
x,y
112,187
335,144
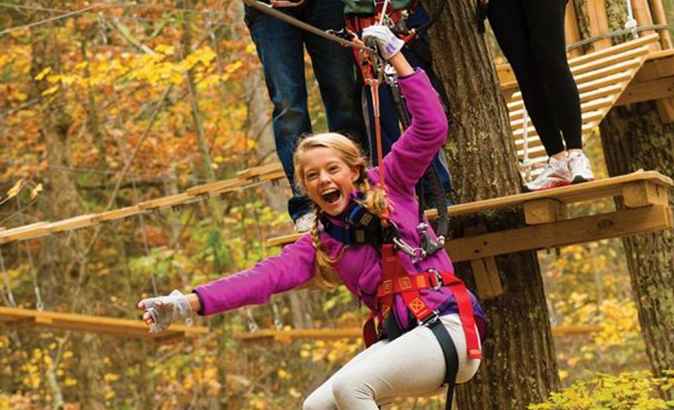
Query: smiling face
x,y
327,179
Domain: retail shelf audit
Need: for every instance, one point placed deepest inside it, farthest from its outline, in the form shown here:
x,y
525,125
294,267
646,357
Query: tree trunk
x,y
519,364
633,138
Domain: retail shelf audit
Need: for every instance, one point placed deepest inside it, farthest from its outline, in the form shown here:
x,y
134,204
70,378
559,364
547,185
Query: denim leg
x,y
280,49
335,71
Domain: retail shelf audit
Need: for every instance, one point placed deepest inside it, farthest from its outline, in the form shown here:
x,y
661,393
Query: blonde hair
x,y
375,198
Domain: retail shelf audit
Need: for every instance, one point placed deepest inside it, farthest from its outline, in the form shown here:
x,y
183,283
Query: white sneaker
x,y
305,222
579,166
555,173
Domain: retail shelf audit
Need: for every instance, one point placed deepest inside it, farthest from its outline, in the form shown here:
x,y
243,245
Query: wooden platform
x,y
245,179
17,317
602,78
645,195
287,336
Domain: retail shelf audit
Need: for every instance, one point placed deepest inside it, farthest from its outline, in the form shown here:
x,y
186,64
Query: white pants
x,y
413,365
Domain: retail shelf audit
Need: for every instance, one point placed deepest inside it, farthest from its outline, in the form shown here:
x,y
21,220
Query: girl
x,y
531,35
369,238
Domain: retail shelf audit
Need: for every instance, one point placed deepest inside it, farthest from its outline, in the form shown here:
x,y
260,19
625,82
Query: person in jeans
x,y
531,35
280,47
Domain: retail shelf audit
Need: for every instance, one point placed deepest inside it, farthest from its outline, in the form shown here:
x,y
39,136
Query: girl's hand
x,y
161,311
387,43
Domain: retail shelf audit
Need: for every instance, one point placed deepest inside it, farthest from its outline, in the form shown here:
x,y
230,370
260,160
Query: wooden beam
x,y
567,232
588,191
543,211
638,194
94,324
641,91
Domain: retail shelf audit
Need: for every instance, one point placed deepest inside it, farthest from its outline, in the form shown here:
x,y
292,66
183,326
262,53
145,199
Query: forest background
x,y
103,105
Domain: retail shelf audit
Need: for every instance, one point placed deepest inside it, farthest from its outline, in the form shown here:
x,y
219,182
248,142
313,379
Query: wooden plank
x,y
260,170
567,232
167,201
214,187
119,213
94,324
73,223
642,193
612,50
586,87
543,211
586,99
32,231
587,191
647,90
658,64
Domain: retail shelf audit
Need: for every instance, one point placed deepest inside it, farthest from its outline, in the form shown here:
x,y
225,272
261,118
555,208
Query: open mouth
x,y
331,196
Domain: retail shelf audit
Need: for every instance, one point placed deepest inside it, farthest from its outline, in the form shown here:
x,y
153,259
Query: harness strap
x,y
451,358
396,280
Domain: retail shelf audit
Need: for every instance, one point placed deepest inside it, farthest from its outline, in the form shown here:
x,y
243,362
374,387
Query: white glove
x,y
387,42
163,310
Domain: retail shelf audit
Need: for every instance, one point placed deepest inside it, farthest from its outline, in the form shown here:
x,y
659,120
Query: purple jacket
x,y
359,266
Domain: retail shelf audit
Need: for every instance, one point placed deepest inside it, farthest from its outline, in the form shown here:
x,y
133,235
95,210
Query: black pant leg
x,y
545,20
508,20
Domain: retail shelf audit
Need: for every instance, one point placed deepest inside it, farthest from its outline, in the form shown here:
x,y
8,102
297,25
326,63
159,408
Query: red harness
x,y
396,280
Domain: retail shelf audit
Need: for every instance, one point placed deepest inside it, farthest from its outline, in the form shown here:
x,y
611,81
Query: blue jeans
x,y
280,48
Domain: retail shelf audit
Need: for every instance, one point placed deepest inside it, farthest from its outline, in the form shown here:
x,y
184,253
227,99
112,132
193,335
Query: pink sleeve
x,y
292,268
411,155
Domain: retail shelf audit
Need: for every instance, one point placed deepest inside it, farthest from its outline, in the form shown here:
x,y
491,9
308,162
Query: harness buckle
x,y
431,319
438,279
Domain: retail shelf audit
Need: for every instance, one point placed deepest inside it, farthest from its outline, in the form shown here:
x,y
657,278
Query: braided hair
x,y
374,197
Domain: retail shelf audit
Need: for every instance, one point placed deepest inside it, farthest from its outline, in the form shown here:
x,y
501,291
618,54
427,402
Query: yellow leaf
x,y
35,192
50,90
14,191
43,73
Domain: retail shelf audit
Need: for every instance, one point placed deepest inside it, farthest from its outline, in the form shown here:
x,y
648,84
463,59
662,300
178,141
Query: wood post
x,y
543,211
642,14
660,17
638,194
571,31
598,20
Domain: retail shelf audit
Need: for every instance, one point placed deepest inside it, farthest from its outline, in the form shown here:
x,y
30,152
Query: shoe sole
x,y
579,180
561,184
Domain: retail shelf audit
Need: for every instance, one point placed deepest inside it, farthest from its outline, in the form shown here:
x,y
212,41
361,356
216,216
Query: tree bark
x,y
519,364
635,138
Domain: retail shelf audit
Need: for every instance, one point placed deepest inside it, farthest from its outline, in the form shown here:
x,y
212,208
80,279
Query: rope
x,y
616,33
631,23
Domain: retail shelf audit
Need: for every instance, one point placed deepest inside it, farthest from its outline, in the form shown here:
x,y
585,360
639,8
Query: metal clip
x,y
429,245
417,254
